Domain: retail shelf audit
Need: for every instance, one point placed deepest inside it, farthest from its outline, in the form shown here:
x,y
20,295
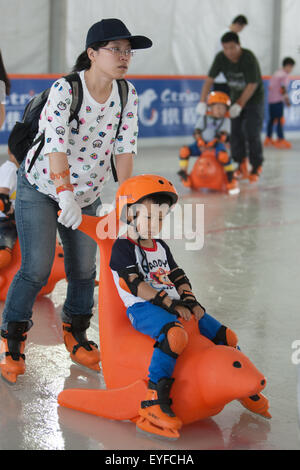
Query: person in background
x,y
8,231
4,90
237,25
211,132
242,71
8,181
277,98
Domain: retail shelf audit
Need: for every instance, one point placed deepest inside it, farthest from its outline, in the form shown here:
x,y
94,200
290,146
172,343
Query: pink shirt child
x,y
278,80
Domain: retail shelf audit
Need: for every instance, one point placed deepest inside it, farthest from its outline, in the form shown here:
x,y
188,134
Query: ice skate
x,y
156,416
268,142
82,351
242,172
282,144
255,174
12,345
233,187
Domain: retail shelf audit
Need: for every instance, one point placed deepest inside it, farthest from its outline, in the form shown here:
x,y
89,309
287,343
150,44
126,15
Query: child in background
x,y
278,97
157,294
2,102
211,132
8,186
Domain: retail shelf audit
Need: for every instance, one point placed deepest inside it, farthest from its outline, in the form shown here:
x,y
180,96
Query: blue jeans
x,y
276,111
36,220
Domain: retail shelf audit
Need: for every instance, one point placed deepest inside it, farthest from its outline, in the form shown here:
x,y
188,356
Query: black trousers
x,y
246,135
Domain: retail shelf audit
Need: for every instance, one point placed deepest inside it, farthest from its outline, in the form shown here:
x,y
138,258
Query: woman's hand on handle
x,y
70,215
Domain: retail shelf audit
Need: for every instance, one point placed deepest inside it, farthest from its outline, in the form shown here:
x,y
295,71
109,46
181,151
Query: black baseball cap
x,y
112,29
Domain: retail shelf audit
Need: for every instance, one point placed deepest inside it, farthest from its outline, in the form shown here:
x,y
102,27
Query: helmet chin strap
x,y
144,263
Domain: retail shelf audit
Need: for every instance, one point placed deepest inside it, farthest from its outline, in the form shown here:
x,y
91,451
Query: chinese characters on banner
x,y
167,106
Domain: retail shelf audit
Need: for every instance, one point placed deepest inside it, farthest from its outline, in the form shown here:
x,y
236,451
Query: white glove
x,y
235,110
2,92
201,108
71,212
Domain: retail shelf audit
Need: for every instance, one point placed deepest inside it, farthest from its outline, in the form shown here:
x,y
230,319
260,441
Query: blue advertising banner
x,y
166,105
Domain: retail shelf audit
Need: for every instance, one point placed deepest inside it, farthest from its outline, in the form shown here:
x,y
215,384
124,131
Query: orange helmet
x,y
134,189
218,97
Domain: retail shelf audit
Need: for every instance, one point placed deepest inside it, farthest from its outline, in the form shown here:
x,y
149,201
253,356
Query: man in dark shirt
x,y
243,75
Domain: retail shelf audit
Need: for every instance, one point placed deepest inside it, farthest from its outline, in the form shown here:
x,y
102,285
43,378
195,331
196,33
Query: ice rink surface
x,y
247,276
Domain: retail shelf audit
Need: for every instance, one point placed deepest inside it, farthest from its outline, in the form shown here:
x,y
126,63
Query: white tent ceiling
x,y
184,34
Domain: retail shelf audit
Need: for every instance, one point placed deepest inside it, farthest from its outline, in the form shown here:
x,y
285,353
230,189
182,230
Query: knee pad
x,y
223,157
174,341
226,336
184,152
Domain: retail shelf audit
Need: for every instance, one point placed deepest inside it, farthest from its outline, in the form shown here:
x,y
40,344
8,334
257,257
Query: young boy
x,y
278,97
157,293
211,131
8,186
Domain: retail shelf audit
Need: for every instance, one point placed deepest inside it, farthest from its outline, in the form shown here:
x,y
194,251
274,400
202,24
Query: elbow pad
x,y
178,277
126,283
5,203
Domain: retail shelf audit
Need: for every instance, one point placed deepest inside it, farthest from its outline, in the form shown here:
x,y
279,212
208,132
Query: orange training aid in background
x,y
7,274
207,377
208,173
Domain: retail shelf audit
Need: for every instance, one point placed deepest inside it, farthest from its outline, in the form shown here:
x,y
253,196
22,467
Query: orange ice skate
x,y
268,142
233,187
12,345
156,416
282,144
242,172
254,175
82,351
184,178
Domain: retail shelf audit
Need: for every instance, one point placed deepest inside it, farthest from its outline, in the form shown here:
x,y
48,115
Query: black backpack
x,y
22,136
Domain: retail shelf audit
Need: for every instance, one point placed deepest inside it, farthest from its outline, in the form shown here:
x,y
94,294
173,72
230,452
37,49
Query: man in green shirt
x,y
243,76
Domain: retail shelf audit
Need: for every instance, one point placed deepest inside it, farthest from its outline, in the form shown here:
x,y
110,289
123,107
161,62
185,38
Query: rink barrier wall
x,y
166,104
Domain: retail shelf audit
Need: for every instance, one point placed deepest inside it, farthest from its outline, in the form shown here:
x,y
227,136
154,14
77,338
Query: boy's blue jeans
x,y
150,319
36,220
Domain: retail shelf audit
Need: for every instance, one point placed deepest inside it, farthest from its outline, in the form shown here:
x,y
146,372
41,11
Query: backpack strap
x,y
41,141
77,98
123,93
